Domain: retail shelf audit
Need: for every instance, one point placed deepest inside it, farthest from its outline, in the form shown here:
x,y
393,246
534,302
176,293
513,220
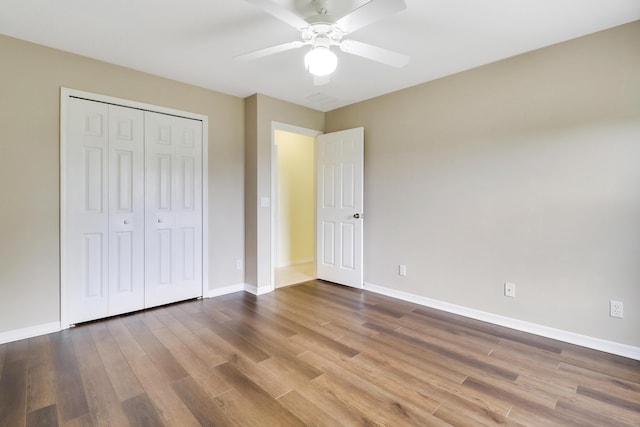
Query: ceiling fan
x,y
322,31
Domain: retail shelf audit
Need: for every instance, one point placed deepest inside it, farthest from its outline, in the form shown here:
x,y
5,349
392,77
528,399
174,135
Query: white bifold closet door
x,y
133,209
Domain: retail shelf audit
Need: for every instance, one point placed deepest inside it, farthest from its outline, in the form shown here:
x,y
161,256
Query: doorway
x,y
337,214
294,208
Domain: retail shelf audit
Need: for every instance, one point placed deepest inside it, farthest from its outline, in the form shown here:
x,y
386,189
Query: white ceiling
x,y
194,41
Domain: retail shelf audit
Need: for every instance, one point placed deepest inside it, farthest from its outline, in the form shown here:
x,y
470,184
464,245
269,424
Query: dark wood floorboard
x,y
43,417
41,384
311,354
141,412
70,396
13,389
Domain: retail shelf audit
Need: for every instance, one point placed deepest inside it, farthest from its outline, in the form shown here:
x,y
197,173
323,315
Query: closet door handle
x,y
126,222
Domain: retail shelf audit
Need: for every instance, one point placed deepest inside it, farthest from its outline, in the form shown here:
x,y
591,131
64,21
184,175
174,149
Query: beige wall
x,y
526,170
29,170
262,111
295,199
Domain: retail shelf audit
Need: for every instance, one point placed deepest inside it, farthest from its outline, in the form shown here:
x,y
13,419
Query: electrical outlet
x,y
402,270
510,290
615,309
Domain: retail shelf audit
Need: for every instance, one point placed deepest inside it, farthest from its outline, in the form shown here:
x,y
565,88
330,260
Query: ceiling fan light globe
x,y
320,61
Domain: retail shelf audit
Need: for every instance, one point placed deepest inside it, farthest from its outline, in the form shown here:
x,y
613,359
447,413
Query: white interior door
x,y
340,187
173,218
103,229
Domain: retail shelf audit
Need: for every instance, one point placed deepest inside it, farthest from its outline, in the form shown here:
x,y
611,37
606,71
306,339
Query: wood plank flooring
x,y
310,354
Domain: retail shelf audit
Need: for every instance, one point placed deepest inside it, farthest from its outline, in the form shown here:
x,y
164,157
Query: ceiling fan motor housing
x,y
322,34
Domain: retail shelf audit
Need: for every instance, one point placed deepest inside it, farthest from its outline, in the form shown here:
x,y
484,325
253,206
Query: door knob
x,y
159,220
126,221
356,215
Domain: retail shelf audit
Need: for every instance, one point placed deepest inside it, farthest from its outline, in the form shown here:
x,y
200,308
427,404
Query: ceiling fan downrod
x,y
321,7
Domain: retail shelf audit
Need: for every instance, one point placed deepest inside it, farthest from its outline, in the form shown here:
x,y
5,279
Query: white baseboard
x,y
47,328
29,332
226,290
520,325
253,289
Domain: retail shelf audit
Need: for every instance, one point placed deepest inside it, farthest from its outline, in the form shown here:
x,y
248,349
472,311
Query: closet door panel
x,y
126,210
86,227
173,194
158,210
188,134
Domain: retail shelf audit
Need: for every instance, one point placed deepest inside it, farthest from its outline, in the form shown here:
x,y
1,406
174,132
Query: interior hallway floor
x,y
293,274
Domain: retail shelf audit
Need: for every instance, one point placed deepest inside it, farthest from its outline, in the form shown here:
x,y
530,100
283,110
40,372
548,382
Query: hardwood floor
x,y
309,354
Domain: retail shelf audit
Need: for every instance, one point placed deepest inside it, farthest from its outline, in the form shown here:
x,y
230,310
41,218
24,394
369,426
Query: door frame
x,y
274,186
65,95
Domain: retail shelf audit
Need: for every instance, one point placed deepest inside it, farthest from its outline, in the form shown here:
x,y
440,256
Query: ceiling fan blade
x,y
374,53
276,10
369,13
269,51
